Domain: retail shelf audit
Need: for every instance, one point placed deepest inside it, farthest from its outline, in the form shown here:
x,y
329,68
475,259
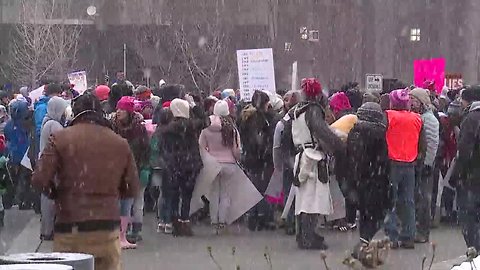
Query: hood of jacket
x,y
248,112
42,101
475,106
56,109
215,124
19,110
373,129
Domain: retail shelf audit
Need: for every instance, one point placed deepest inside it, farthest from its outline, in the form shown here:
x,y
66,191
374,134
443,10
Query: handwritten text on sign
x,y
255,72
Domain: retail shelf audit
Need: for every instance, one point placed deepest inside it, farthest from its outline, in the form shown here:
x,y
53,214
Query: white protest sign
x,y
79,79
36,94
374,83
255,72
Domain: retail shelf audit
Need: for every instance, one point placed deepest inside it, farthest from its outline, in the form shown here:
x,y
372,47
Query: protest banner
x,y
255,72
429,69
36,94
79,80
453,80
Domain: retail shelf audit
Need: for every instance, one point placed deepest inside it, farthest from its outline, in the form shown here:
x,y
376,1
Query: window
x,y
415,34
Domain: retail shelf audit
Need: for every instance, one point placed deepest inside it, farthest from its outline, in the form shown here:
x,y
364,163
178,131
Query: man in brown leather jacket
x,y
86,168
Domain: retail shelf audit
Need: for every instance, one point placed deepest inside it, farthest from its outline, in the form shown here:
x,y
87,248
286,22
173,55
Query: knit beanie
x,y
180,108
399,99
228,93
276,102
102,92
421,95
221,108
471,93
155,101
339,102
126,103
166,104
311,87
369,108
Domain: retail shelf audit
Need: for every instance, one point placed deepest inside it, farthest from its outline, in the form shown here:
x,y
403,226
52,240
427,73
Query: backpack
x,y
286,144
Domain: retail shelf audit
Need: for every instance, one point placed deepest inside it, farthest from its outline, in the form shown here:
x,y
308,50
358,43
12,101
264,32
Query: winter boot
x,y
2,218
123,234
177,228
252,222
136,233
308,238
261,222
186,228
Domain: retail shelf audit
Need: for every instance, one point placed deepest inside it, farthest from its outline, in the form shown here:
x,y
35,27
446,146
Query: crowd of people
x,y
102,158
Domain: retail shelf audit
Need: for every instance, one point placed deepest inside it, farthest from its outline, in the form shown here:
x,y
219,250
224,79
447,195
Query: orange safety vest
x,y
403,135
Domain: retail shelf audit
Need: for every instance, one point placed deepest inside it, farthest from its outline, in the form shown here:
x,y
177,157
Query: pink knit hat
x,y
126,103
399,98
339,102
102,92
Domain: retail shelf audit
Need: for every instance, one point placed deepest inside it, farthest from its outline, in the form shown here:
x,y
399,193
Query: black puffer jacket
x,y
467,169
178,146
368,164
257,128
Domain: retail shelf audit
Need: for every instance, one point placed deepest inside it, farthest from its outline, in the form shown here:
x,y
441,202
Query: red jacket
x,y
403,135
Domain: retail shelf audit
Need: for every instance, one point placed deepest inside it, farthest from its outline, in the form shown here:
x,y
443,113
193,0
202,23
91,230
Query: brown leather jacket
x,y
94,168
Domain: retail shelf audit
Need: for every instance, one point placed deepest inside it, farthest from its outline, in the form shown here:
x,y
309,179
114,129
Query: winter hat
x,y
180,108
166,104
102,92
126,103
399,99
421,95
311,87
221,108
471,93
277,102
429,85
228,93
217,94
24,91
454,108
371,111
155,101
339,102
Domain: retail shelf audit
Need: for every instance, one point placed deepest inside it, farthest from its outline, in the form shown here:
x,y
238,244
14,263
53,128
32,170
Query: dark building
x,y
345,40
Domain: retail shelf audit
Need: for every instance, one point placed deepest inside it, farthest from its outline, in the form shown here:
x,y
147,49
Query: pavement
x,y
159,251
17,223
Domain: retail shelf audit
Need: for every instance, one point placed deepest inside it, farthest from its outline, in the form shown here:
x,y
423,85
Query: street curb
x,y
28,240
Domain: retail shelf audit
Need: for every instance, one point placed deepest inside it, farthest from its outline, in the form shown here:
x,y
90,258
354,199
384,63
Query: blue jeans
x,y
126,207
402,180
469,215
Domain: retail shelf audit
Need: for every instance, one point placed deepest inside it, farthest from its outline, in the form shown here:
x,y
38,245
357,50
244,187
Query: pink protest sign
x,y
429,69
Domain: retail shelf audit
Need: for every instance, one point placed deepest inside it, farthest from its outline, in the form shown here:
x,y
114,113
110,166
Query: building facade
x,y
346,38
